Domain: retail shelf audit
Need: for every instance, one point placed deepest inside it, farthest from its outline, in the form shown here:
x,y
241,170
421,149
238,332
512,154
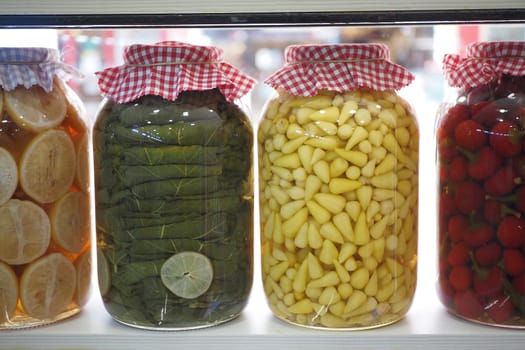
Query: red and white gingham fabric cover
x,y
338,67
167,68
485,62
28,66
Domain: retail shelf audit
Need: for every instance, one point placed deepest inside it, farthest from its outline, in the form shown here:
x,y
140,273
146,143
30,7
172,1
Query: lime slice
x,y
104,273
8,175
8,292
34,109
187,274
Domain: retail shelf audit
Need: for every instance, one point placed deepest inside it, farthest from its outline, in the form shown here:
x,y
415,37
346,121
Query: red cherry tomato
x,y
488,254
514,262
486,113
484,164
447,205
468,304
518,283
453,116
460,277
505,138
511,232
502,182
456,225
468,196
459,254
470,135
500,308
520,199
458,169
478,234
490,283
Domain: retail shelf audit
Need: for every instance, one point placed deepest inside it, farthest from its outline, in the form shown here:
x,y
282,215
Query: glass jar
x,y
338,187
174,189
45,201
480,159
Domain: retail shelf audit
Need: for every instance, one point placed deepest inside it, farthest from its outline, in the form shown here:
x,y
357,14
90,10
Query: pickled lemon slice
x,y
104,273
8,292
47,166
83,268
47,286
35,109
70,221
8,175
82,168
187,274
25,232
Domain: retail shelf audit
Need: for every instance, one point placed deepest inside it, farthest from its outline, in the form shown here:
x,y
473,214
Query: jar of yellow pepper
x,y
338,188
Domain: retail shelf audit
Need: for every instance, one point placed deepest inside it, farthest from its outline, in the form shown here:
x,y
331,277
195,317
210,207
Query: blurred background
x,y
259,51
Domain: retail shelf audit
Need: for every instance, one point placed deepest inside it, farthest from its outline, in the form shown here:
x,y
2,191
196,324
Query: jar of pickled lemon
x,y
45,206
174,188
338,187
480,134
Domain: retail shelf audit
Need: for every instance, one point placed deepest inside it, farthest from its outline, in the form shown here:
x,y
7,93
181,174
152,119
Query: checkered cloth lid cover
x,y
485,62
167,68
338,67
28,66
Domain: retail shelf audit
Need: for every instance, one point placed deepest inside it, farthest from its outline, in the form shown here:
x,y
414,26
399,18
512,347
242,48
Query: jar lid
x,y
338,67
28,66
485,62
167,68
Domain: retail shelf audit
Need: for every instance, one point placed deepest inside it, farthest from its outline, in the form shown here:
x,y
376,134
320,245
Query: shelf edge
x,y
415,17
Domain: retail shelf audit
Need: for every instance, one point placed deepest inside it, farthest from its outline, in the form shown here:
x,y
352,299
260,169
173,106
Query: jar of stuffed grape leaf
x,y
174,191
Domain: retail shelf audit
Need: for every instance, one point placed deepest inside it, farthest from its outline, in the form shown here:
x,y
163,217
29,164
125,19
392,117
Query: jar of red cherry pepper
x,y
481,162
